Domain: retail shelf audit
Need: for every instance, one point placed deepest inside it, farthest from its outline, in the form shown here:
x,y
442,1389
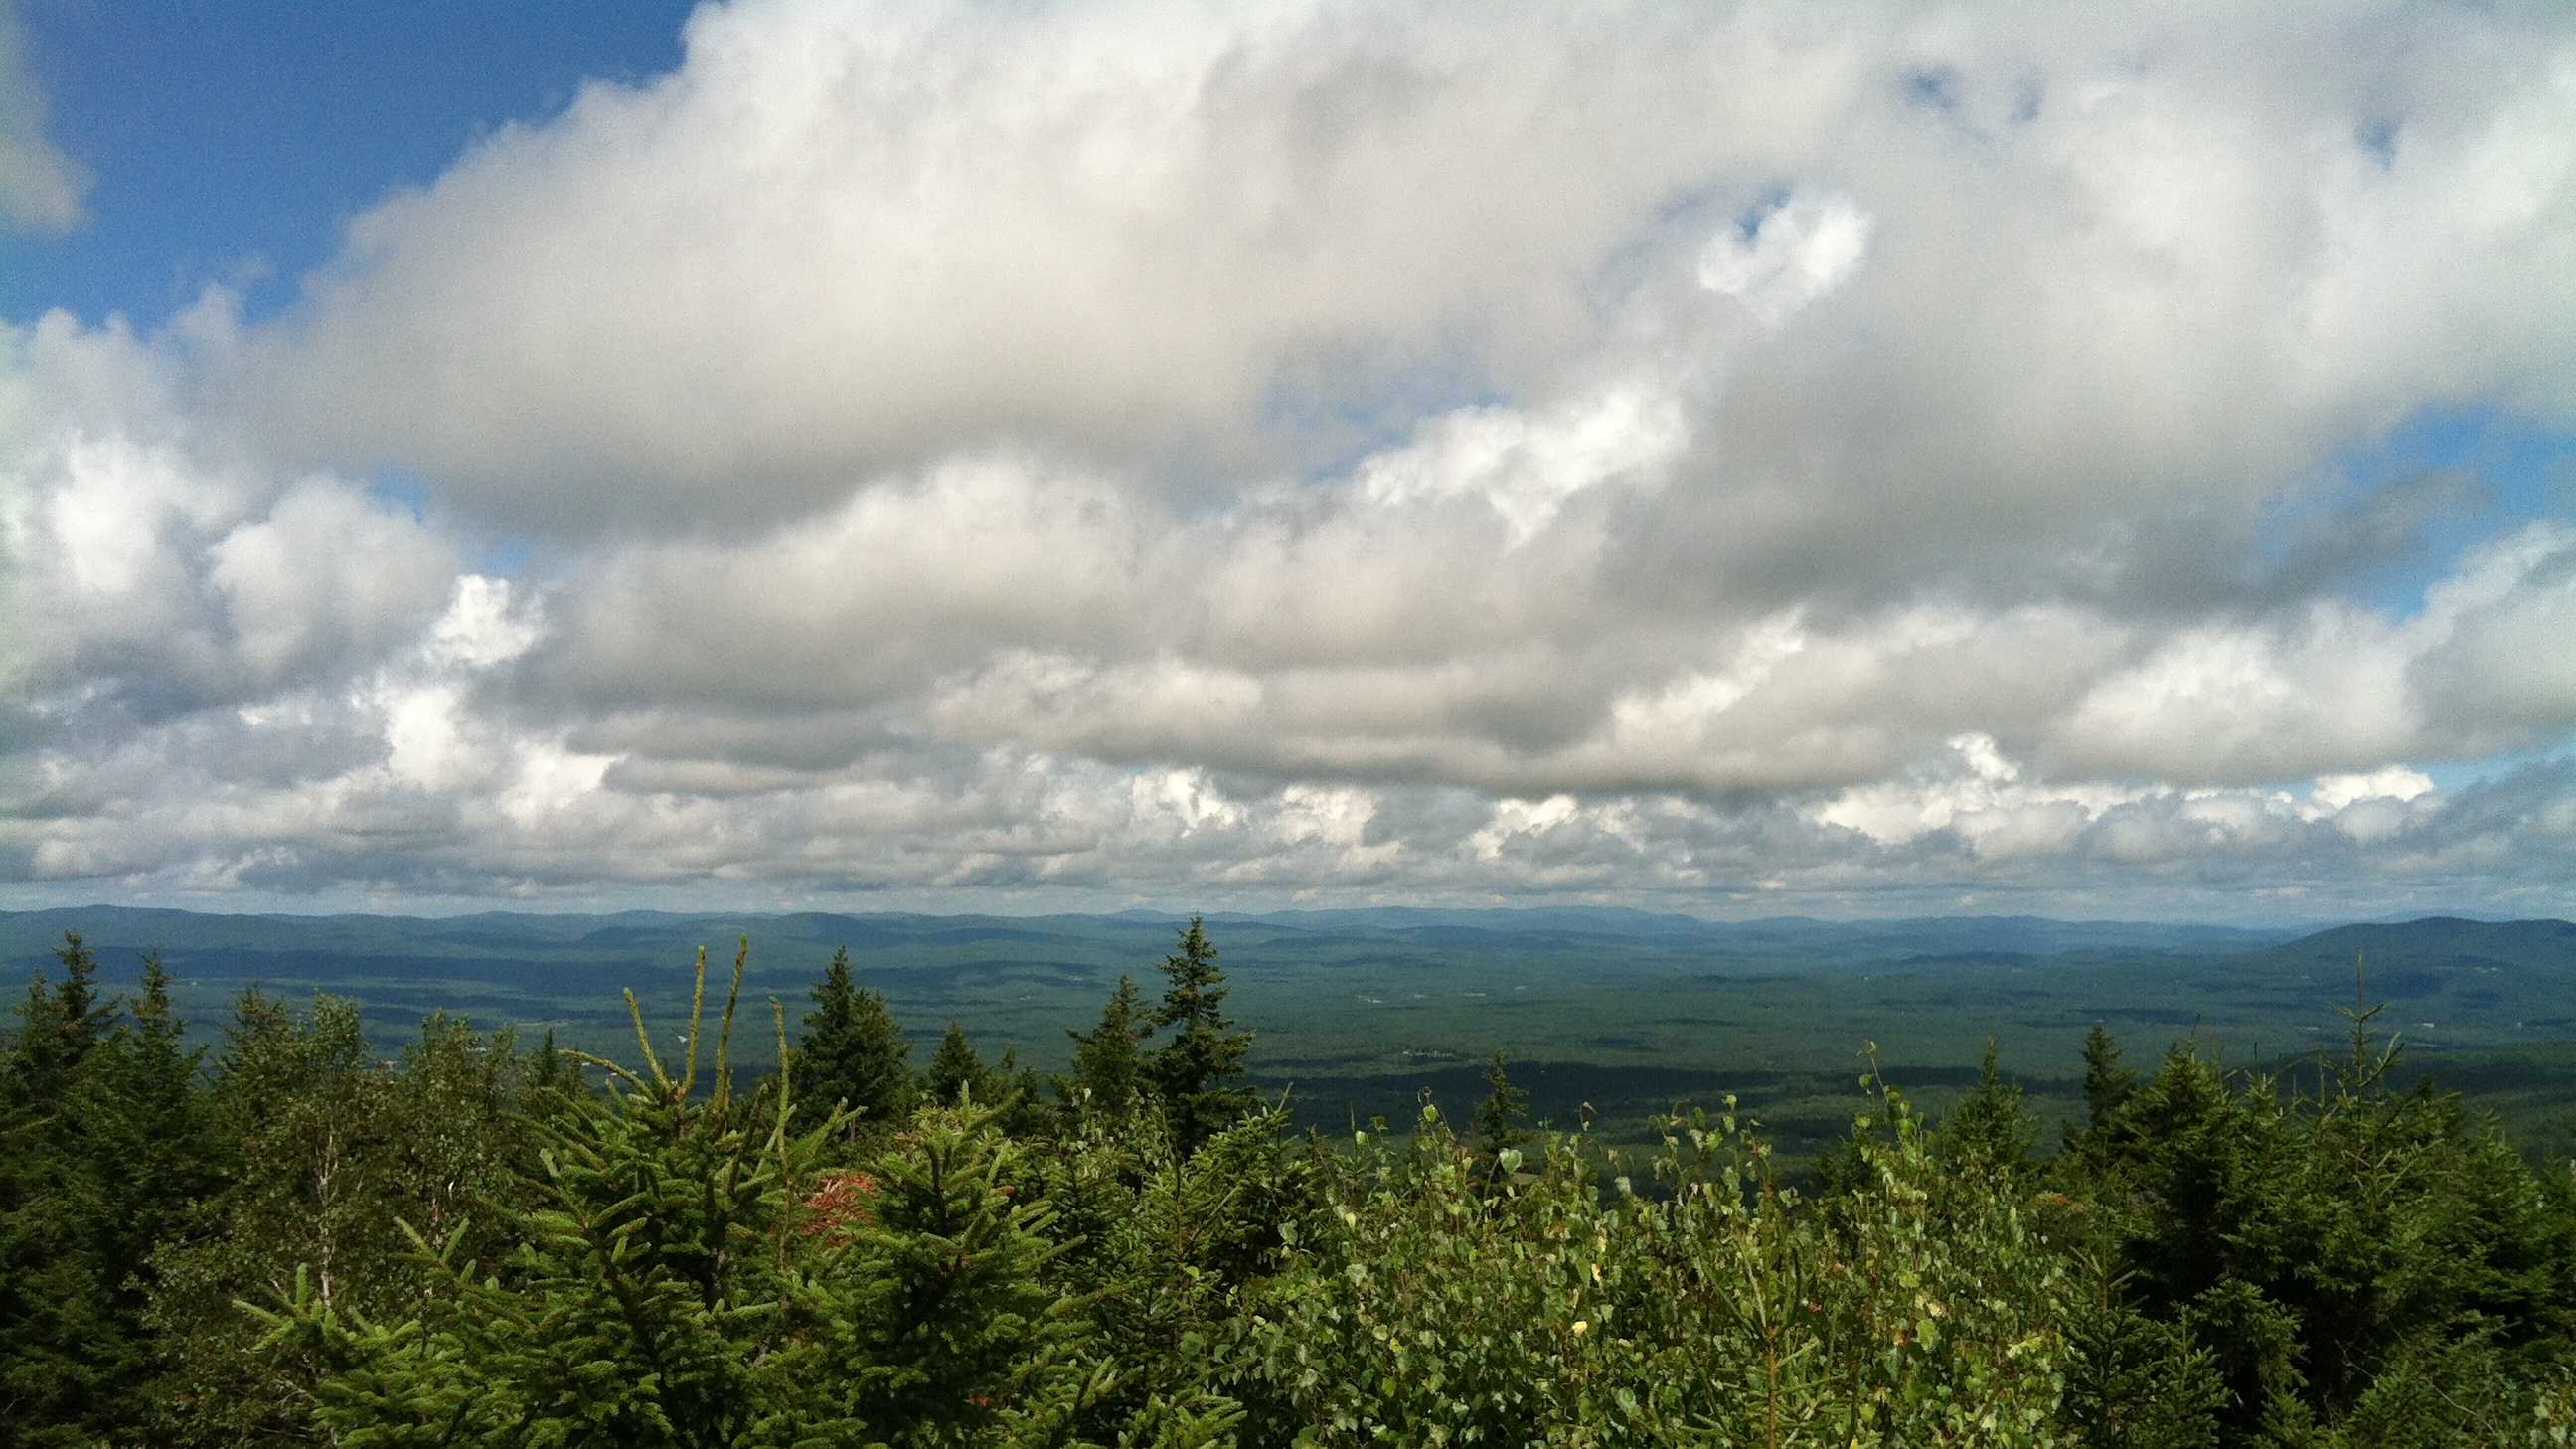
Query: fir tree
x,y
852,1053
1195,1074
2108,1087
1990,1126
147,1125
2132,1382
956,1070
1501,1120
67,1356
77,998
57,1026
1108,1061
546,1070
686,1278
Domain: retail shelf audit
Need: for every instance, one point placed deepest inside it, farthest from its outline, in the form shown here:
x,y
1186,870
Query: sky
x,y
1740,459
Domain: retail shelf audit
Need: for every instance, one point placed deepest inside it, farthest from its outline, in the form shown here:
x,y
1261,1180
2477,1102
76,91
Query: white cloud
x,y
1702,452
2332,793
1527,467
485,625
1793,255
326,569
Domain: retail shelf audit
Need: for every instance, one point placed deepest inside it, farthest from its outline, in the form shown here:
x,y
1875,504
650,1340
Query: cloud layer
x,y
41,188
1741,458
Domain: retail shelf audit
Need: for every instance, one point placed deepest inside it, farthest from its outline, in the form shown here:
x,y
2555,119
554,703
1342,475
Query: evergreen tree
x,y
1501,1119
2107,1089
1108,1061
155,1160
2133,1382
1990,1126
77,998
57,1026
1195,1074
686,1278
1026,1114
68,1356
546,1069
852,1053
957,1070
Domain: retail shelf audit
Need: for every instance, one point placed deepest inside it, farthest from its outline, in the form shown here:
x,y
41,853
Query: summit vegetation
x,y
277,1234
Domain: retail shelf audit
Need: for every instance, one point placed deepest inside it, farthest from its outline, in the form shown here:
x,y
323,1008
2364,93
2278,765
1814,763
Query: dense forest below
x,y
763,1224
1359,1011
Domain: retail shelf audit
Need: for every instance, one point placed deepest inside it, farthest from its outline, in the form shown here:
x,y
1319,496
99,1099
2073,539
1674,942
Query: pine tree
x,y
1501,1121
67,1357
1195,1073
1990,1126
1108,1062
2131,1381
57,1026
546,1070
852,1052
686,1277
956,1071
145,1109
77,998
2108,1087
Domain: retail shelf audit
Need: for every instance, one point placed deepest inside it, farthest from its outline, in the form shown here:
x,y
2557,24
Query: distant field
x,y
1361,1012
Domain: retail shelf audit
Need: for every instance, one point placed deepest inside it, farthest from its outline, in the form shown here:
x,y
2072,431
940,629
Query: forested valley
x,y
279,1237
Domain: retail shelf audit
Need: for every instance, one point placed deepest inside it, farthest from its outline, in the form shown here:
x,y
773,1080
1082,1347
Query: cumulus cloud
x,y
1682,453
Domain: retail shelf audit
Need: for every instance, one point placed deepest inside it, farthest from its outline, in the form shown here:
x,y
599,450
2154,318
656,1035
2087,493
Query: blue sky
x,y
1016,457
230,142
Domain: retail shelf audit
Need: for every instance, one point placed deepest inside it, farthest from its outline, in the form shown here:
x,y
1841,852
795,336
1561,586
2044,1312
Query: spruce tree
x,y
77,997
1990,1127
956,1070
67,1359
852,1052
1501,1121
546,1070
57,1026
2107,1088
2133,1382
145,1111
687,1277
1195,1074
1108,1062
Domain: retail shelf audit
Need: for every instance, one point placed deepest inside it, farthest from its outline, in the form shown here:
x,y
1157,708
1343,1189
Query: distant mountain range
x,y
131,927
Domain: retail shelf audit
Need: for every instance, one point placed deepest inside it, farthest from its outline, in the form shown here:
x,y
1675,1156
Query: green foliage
x,y
1197,1073
1713,1310
324,1153
1502,1118
685,1274
1990,1130
98,1150
957,1073
471,1247
2338,1254
853,1055
1108,1061
2133,1382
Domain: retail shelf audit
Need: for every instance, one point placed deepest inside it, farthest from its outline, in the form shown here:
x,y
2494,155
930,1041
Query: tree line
x,y
281,1239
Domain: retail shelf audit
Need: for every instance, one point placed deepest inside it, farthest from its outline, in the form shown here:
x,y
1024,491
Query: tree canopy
x,y
297,1238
